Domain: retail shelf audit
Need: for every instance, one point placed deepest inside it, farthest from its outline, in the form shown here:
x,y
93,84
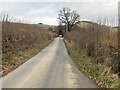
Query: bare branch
x,y
68,17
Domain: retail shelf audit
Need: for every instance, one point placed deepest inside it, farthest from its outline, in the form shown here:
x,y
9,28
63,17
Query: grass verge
x,y
12,61
94,71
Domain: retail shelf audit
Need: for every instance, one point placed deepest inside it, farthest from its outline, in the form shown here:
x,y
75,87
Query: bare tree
x,y
68,17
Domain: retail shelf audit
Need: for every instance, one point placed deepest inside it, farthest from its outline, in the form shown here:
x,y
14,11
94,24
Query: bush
x,y
97,41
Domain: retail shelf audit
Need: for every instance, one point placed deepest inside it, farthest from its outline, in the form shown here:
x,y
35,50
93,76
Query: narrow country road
x,y
51,68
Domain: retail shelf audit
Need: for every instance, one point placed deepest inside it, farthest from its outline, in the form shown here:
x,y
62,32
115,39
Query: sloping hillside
x,y
94,48
45,26
20,42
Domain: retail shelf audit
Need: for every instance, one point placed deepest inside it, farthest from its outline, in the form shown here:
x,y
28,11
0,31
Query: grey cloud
x,y
49,10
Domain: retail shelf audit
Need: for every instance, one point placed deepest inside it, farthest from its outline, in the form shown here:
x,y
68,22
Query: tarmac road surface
x,y
51,68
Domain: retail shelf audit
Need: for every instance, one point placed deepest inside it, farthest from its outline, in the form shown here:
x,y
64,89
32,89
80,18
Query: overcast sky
x,y
46,12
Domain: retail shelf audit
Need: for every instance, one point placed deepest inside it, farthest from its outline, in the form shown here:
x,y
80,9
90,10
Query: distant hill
x,y
45,26
86,24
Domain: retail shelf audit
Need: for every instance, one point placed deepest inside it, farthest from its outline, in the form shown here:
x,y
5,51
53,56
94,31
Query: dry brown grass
x,y
99,42
20,42
96,72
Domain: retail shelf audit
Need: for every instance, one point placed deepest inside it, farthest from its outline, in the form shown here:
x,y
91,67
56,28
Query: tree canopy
x,y
68,17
